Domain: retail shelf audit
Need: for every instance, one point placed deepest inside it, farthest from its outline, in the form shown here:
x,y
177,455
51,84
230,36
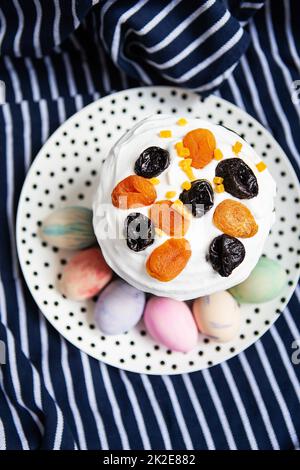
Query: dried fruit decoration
x,y
168,219
152,162
201,144
225,254
139,231
133,191
239,179
199,198
235,219
168,260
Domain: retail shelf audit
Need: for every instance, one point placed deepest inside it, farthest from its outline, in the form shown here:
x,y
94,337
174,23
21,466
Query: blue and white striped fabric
x,y
57,57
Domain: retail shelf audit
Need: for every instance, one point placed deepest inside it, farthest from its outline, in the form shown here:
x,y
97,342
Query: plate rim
x,y
51,137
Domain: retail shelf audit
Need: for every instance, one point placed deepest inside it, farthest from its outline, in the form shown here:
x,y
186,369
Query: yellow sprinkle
x,y
170,194
179,207
181,150
185,152
154,181
165,134
179,146
176,203
159,232
218,154
181,122
218,180
237,147
185,165
186,185
261,166
219,188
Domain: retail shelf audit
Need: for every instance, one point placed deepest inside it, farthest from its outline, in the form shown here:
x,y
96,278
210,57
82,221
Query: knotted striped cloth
x,y
195,44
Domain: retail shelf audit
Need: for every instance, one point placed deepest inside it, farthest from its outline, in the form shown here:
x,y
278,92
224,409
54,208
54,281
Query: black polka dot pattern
x,y
66,173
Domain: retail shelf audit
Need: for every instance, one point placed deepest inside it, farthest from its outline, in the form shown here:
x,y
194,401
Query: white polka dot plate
x,y
65,173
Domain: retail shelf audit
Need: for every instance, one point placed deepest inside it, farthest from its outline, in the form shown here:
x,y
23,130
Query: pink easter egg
x,y
170,322
85,275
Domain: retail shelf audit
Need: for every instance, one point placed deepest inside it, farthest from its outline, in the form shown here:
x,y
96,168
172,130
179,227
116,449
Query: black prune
x,y
199,198
225,254
152,162
239,179
139,231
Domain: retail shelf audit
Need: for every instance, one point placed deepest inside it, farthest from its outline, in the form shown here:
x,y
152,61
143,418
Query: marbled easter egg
x,y
119,308
266,282
85,275
217,316
70,228
170,322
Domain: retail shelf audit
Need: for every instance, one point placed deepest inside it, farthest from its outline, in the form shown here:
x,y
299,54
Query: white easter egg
x,y
217,316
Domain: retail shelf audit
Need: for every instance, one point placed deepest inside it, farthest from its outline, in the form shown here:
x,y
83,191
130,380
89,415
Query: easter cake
x,y
183,207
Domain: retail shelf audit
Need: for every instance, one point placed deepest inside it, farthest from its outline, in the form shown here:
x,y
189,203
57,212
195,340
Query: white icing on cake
x,y
198,278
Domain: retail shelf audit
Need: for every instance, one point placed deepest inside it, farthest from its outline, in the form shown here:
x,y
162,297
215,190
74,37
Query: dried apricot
x,y
168,219
133,191
235,219
168,260
201,144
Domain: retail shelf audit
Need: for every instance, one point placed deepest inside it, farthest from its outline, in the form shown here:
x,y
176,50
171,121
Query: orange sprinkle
x,y
237,147
185,152
261,166
218,155
170,194
181,150
219,188
218,180
179,146
185,165
186,185
159,232
181,122
155,181
179,207
165,134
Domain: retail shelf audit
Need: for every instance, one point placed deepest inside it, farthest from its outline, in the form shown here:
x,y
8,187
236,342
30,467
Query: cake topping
x,y
218,180
133,191
180,207
181,122
225,254
185,165
165,216
170,194
199,198
237,147
139,231
152,162
154,181
168,260
165,134
261,166
219,188
186,185
239,179
218,155
201,144
235,219
181,150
